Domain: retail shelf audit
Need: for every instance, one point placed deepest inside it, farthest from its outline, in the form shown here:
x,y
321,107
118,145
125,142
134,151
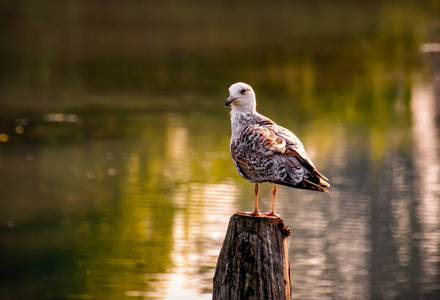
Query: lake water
x,y
115,175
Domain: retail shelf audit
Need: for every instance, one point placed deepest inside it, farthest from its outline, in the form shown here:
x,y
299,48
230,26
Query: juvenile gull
x,y
262,151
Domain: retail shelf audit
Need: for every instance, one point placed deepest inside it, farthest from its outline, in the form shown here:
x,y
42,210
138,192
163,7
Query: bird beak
x,y
229,101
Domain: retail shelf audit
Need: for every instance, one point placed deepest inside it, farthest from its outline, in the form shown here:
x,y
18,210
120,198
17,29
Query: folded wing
x,y
291,157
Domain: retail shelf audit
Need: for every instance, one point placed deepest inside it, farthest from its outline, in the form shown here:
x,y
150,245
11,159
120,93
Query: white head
x,y
241,95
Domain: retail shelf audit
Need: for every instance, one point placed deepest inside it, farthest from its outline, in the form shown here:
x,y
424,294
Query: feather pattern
x,y
262,151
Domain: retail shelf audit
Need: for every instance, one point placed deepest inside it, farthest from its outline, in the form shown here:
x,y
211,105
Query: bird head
x,y
241,95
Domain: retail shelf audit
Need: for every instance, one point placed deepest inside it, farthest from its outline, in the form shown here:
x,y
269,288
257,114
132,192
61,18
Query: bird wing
x,y
294,148
288,149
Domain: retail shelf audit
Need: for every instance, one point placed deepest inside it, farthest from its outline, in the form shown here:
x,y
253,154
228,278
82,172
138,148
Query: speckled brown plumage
x,y
262,151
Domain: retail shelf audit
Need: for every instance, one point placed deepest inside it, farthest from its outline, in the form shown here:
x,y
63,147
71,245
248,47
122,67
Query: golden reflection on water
x,y
202,206
401,213
198,214
427,183
200,226
177,166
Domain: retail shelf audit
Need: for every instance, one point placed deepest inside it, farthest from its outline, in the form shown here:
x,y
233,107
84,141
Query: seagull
x,y
263,151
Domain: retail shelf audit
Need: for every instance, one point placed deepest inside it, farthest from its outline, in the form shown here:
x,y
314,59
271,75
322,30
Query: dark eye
x,y
243,91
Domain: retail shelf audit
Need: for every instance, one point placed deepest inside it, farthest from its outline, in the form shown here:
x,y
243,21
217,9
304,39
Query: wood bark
x,y
253,262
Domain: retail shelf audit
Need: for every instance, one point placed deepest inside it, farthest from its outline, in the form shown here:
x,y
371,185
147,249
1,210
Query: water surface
x,y
115,175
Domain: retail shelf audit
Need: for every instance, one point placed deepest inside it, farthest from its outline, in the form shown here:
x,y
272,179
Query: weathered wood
x,y
253,262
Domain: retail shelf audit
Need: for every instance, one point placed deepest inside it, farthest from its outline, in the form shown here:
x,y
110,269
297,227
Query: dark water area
x,y
115,175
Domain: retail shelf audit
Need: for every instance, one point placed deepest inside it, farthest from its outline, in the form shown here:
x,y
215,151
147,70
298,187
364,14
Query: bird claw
x,y
255,213
272,214
258,214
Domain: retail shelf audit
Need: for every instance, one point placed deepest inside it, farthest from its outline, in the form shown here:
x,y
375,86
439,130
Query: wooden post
x,y
254,261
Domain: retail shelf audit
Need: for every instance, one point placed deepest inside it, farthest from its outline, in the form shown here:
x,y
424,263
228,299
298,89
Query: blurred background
x,y
115,175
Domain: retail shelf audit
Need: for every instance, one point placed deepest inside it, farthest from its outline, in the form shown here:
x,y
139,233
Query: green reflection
x,y
133,199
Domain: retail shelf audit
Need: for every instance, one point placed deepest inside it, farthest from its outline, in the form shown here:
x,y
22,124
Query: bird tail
x,y
307,185
312,180
316,187
322,176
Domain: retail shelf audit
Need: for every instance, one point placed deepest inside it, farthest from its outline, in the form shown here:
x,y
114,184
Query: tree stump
x,y
254,262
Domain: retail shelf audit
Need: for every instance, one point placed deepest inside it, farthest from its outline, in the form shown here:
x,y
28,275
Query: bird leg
x,y
256,190
274,192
